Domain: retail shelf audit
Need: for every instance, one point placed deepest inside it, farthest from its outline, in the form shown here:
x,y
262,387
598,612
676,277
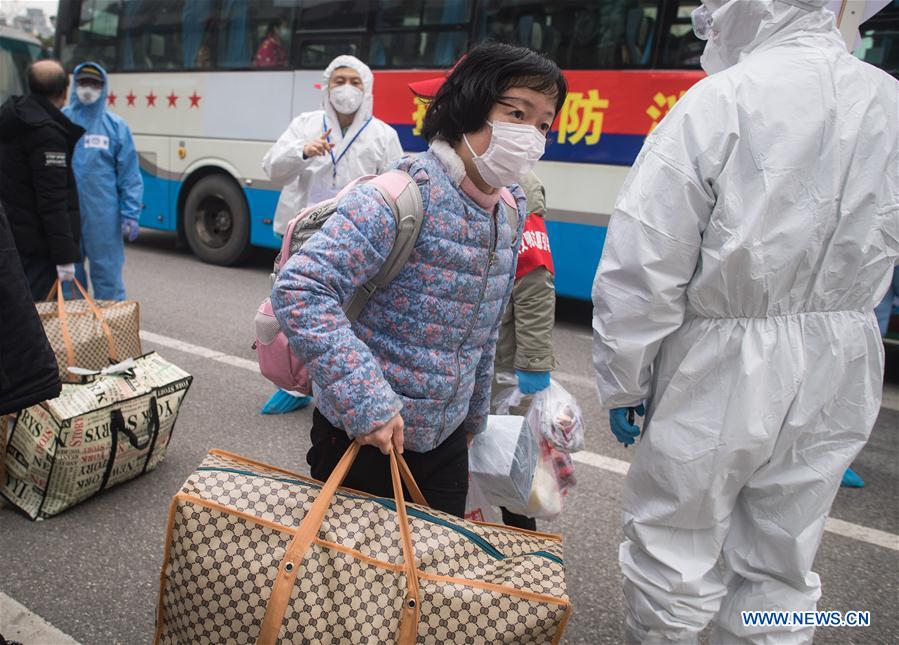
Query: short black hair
x,y
480,79
49,81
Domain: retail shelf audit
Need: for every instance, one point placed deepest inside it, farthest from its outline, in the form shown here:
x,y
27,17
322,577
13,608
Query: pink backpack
x,y
276,362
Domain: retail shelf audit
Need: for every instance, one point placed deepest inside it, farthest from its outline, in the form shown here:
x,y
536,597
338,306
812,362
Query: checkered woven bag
x,y
255,554
89,333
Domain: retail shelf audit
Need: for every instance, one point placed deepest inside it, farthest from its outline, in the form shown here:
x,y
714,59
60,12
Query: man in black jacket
x,y
28,371
37,186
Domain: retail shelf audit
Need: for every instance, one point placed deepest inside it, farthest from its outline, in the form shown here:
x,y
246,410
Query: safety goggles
x,y
702,22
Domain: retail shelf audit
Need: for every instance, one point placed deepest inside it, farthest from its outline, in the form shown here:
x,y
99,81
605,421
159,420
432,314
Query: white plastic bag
x,y
553,413
477,508
502,460
553,479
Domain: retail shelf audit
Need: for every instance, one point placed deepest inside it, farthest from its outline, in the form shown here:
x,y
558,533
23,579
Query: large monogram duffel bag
x,y
93,436
89,333
255,554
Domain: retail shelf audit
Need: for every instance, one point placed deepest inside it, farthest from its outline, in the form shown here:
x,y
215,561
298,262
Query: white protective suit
x,y
749,245
368,147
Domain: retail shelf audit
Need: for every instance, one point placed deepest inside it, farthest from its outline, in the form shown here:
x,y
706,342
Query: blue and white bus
x,y
182,74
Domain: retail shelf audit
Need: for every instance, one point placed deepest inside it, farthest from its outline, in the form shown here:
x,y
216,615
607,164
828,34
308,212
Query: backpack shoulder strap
x,y
403,196
507,199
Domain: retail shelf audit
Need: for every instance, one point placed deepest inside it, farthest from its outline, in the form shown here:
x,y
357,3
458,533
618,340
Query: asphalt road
x,y
93,571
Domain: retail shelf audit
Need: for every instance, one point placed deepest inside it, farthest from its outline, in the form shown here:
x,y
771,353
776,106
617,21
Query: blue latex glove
x,y
623,429
283,402
130,229
532,382
852,480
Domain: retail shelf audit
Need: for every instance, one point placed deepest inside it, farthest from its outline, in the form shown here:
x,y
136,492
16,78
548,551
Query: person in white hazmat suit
x,y
749,245
324,150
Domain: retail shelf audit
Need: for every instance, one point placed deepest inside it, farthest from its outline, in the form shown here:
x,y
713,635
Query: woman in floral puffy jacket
x,y
413,373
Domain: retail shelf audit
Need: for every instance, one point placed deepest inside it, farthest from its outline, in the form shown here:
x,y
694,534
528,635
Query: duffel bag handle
x,y
306,532
118,425
64,323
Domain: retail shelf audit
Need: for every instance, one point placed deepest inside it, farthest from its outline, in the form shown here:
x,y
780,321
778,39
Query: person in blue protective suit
x,y
110,188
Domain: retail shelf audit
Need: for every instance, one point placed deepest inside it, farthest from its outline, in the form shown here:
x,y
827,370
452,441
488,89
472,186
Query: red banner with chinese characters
x,y
605,118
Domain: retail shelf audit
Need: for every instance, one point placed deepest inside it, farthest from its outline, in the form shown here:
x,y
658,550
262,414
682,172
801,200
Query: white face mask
x,y
346,99
514,150
88,95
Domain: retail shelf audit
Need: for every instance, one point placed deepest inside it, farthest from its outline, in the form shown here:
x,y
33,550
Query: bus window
x,y
331,15
880,40
17,51
602,34
681,48
271,32
422,33
94,36
316,52
151,34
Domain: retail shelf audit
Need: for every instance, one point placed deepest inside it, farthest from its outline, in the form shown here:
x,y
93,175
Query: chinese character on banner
x,y
421,106
582,117
660,106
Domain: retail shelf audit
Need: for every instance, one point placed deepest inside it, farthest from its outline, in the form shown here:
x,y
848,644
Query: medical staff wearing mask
x,y
324,150
110,188
747,250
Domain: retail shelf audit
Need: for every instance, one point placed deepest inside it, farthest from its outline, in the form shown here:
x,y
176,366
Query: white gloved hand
x,y
65,272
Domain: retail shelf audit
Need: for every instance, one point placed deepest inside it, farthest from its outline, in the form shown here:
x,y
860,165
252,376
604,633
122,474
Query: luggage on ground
x,y
87,333
94,435
255,554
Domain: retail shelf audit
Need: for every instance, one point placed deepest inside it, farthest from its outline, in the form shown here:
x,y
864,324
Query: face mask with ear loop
x,y
514,150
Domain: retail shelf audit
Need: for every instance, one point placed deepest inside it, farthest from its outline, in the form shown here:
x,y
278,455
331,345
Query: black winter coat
x,y
28,371
37,185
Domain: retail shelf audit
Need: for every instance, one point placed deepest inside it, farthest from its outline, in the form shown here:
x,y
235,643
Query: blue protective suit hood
x,y
87,112
110,189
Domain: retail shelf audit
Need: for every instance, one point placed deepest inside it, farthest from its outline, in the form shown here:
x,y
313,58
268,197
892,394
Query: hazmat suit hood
x,y
363,114
740,28
79,112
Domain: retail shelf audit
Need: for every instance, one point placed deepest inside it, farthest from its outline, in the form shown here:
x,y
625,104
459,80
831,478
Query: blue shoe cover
x,y
852,480
283,402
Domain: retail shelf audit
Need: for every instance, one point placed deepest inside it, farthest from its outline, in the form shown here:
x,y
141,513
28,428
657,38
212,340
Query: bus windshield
x,y
17,51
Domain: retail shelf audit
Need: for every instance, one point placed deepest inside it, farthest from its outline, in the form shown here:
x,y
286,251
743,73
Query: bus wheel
x,y
217,220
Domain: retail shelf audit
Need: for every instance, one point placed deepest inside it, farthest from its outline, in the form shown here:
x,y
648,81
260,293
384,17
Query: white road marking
x,y
862,533
574,379
838,527
20,624
601,461
196,350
